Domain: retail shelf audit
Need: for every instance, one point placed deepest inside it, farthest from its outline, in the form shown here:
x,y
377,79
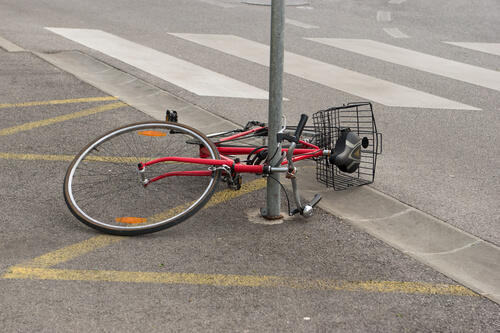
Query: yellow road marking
x,y
117,159
38,268
222,280
69,252
36,157
217,198
48,157
226,195
60,101
45,122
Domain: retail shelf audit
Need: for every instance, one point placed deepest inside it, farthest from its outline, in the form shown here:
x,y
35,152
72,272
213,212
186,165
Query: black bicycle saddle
x,y
347,152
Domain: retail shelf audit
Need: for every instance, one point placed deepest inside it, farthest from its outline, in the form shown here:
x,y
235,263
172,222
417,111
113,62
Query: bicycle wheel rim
x,y
139,227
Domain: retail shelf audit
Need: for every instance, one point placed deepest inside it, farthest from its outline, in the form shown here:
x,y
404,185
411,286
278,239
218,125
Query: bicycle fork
x,y
307,209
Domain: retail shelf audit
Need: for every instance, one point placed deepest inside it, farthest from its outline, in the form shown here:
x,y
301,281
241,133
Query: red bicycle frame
x,y
299,154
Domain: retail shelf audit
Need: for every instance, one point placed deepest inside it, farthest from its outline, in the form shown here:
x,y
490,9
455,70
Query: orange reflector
x,y
152,133
131,220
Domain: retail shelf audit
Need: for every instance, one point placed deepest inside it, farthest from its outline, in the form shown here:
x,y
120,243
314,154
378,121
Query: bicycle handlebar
x,y
301,125
298,131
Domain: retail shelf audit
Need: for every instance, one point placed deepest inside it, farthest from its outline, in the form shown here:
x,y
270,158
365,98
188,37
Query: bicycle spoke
x,y
106,185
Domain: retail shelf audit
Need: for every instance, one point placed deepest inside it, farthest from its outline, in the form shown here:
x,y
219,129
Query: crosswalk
x,y
397,55
492,48
205,82
191,77
332,76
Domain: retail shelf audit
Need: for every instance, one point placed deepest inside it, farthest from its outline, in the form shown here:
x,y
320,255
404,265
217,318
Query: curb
x,y
457,254
135,92
9,46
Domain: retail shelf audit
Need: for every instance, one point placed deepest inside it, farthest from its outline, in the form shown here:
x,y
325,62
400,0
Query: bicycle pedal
x,y
235,182
308,209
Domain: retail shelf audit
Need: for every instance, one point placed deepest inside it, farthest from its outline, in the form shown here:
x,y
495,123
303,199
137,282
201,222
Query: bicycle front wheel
x,y
103,187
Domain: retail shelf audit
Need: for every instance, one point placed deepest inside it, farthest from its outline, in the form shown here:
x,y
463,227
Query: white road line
x,y
396,33
218,3
492,48
417,60
181,73
365,86
300,24
396,2
383,16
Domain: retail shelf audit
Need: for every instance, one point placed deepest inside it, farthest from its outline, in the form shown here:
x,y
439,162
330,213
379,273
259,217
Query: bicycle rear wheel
x,y
103,188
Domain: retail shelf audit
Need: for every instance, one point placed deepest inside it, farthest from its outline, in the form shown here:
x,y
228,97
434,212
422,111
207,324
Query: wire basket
x,y
328,124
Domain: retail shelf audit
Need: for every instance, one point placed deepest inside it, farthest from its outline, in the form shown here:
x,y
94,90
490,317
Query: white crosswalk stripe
x,y
218,3
492,48
352,82
428,63
300,24
396,33
191,77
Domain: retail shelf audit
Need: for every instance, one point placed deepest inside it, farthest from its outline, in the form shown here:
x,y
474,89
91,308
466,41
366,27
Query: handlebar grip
x,y
315,200
301,125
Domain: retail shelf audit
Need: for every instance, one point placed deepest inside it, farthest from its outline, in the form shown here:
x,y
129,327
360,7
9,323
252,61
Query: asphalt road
x,y
441,161
437,160
216,272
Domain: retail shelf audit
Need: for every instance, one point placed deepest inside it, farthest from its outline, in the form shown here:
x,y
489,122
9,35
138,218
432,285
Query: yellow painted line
x,y
217,198
69,252
228,194
36,157
222,280
50,121
38,268
49,157
60,101
117,159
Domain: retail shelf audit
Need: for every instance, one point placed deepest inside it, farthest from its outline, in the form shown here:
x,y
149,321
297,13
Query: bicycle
x,y
150,176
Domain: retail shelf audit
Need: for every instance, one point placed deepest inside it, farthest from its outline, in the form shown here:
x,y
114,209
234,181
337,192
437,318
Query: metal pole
x,y
273,200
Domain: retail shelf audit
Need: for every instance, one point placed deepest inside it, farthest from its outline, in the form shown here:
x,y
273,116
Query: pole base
x,y
263,213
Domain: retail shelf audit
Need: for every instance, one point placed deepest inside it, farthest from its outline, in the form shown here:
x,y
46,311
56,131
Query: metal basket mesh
x,y
327,125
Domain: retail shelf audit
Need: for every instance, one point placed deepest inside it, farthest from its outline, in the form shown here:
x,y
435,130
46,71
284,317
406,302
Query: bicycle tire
x,y
103,189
